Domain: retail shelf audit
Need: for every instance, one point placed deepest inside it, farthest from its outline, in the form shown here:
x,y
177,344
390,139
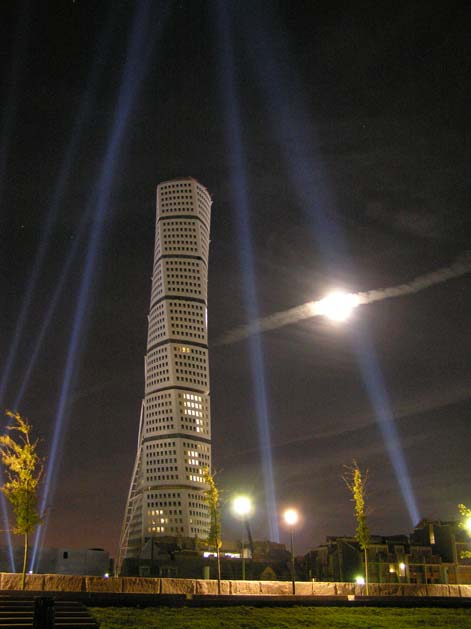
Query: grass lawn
x,y
281,618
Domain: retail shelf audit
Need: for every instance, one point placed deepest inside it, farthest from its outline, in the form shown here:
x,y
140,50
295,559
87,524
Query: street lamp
x,y
291,518
242,507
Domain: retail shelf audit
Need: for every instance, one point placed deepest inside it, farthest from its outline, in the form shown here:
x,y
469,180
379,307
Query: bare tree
x,y
356,482
23,471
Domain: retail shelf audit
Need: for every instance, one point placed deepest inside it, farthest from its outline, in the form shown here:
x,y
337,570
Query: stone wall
x,y
189,587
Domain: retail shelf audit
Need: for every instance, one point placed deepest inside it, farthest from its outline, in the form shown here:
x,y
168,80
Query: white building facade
x,y
174,444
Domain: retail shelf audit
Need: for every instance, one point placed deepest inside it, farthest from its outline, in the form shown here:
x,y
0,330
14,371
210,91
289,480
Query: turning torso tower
x,y
174,444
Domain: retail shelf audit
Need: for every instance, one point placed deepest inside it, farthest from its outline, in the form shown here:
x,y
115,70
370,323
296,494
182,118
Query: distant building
x,y
174,442
448,540
431,554
88,562
189,558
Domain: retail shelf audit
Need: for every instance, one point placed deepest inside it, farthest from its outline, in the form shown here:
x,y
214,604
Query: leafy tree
x,y
356,482
466,513
214,503
23,472
268,574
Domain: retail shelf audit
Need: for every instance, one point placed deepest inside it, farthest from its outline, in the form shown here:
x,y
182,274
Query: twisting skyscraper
x,y
174,443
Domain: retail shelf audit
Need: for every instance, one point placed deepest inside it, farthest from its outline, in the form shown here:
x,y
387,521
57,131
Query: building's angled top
x,y
189,178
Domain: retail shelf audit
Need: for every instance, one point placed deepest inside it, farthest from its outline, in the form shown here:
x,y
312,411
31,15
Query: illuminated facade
x,y
174,443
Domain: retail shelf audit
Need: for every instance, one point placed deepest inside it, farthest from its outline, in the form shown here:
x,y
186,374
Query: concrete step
x,y
19,612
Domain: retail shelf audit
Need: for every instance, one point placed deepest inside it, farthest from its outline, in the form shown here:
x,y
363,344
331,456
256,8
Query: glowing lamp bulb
x,y
337,306
291,517
467,525
360,580
242,506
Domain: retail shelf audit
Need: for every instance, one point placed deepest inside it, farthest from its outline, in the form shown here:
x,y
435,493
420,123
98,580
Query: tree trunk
x,y
219,569
25,559
366,571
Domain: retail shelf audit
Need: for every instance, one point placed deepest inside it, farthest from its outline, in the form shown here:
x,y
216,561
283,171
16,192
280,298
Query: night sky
x,y
361,116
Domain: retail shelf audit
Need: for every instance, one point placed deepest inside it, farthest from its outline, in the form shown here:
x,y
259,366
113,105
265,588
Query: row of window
x,y
160,455
181,358
179,227
152,428
162,404
153,470
184,288
182,264
194,454
163,444
194,478
188,352
162,468
196,419
155,512
166,421
186,425
199,514
174,185
180,379
176,206
202,447
158,445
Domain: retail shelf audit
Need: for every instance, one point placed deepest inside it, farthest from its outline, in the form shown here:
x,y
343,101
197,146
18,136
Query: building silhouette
x,y
434,553
174,442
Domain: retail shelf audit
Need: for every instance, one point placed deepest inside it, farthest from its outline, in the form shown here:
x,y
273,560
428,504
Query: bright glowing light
x,y
402,565
337,306
467,524
242,506
106,575
360,580
291,517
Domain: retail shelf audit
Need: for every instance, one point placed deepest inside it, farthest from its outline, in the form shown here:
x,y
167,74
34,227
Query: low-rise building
x,y
187,557
88,562
433,553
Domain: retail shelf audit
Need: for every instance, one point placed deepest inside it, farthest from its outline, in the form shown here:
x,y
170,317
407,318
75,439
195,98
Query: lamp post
x,y
291,518
242,507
